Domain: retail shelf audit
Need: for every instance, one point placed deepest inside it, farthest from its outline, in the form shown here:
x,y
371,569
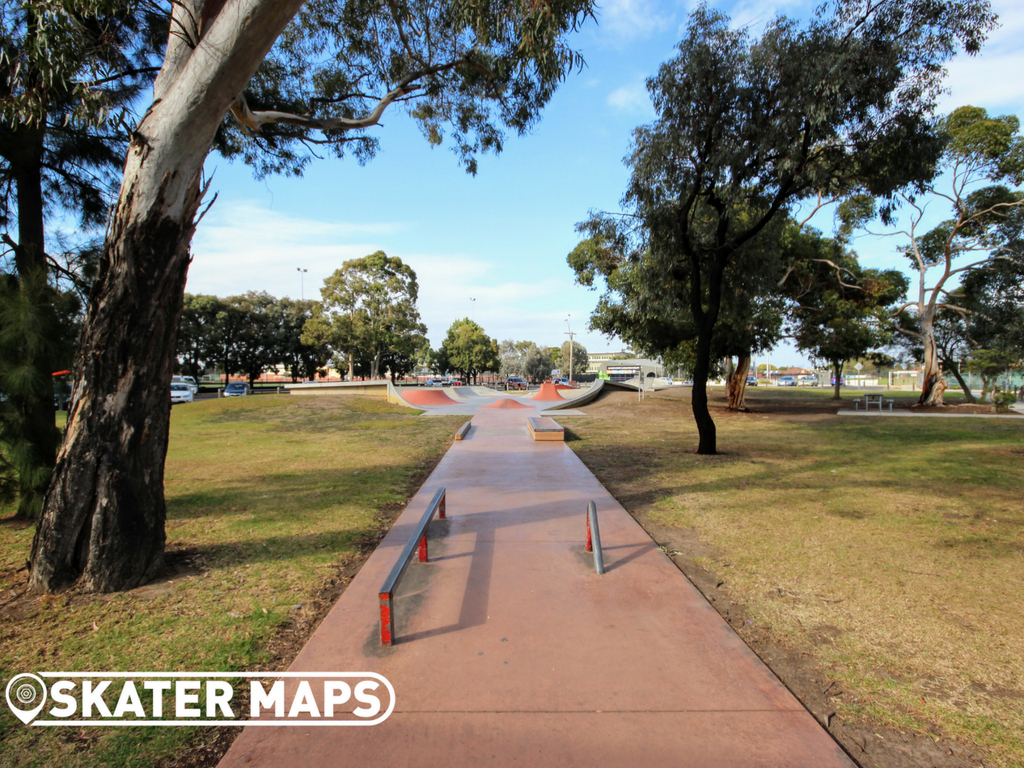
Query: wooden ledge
x,y
545,428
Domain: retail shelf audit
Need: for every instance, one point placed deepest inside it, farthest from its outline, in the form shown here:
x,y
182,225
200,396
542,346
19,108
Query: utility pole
x,y
570,335
302,283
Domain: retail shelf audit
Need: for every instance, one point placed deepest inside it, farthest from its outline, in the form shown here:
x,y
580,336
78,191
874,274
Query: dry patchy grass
x,y
890,551
268,499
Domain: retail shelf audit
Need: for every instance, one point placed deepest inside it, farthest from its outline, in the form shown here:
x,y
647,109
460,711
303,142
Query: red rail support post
x,y
418,540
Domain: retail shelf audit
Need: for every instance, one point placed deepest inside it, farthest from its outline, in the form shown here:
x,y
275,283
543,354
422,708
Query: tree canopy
x,y
985,231
368,310
748,127
467,350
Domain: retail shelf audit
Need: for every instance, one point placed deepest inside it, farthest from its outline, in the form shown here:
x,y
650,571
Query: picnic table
x,y
873,397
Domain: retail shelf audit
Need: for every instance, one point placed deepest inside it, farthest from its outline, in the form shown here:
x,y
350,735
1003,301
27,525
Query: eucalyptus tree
x,y
649,308
471,68
468,350
368,311
748,128
986,224
840,311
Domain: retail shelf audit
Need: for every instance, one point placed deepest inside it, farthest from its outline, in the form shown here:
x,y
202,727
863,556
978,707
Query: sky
x,y
493,247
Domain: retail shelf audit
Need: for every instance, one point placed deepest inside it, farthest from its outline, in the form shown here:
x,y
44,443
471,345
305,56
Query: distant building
x,y
624,370
595,359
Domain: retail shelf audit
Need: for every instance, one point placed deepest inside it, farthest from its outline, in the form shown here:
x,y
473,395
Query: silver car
x,y
181,393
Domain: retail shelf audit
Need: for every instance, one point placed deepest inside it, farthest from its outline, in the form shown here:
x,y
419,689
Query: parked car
x,y
787,381
188,380
237,389
562,381
180,393
456,383
842,381
808,380
434,383
751,381
515,382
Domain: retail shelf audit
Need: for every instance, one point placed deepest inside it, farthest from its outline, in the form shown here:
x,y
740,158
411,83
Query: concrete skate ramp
x,y
507,402
598,388
426,397
465,394
547,392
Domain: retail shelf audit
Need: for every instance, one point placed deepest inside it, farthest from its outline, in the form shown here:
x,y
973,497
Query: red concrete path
x,y
512,652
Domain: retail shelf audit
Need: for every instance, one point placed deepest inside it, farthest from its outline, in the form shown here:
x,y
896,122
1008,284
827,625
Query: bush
x,y
1003,400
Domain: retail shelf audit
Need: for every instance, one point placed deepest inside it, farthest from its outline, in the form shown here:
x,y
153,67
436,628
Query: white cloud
x,y
625,20
992,78
242,246
632,98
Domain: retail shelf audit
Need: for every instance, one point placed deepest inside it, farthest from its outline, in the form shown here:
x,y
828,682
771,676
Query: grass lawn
x,y
887,553
272,503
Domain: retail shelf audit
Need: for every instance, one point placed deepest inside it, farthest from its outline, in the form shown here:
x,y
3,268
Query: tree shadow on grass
x,y
287,495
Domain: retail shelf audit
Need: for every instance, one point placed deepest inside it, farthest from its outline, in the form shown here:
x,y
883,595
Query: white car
x,y
181,393
189,380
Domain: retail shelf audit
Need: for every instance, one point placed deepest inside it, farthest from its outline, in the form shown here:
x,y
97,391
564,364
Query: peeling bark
x,y
932,383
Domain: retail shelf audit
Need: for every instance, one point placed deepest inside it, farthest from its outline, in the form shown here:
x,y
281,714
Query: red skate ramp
x,y
426,397
546,392
507,402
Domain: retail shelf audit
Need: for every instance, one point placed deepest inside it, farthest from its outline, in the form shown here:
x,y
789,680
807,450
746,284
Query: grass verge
x,y
272,502
888,552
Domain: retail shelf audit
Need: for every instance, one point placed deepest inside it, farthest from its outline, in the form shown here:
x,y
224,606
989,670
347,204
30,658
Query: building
x,y
595,359
624,370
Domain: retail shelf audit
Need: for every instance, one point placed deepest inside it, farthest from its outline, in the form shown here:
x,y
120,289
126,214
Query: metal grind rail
x,y
594,538
417,539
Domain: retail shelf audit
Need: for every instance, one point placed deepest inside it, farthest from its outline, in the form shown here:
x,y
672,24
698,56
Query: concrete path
x,y
512,651
903,413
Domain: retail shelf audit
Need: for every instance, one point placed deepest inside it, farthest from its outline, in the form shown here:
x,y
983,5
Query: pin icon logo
x,y
24,691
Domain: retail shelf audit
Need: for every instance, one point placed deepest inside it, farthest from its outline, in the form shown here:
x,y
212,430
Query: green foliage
x,y
746,129
466,69
840,310
467,350
512,357
38,329
537,363
580,359
367,315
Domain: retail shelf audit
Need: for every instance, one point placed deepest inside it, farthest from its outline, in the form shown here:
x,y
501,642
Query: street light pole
x,y
570,335
302,283
473,305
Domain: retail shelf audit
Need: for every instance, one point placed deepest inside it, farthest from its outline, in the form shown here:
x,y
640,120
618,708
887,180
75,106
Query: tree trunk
x,y
738,384
103,516
837,374
39,434
968,395
707,443
932,383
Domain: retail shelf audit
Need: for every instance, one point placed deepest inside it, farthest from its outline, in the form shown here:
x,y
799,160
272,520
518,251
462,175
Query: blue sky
x,y
502,236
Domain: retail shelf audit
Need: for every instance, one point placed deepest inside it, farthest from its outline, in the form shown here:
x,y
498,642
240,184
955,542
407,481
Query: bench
x,y
876,398
545,428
